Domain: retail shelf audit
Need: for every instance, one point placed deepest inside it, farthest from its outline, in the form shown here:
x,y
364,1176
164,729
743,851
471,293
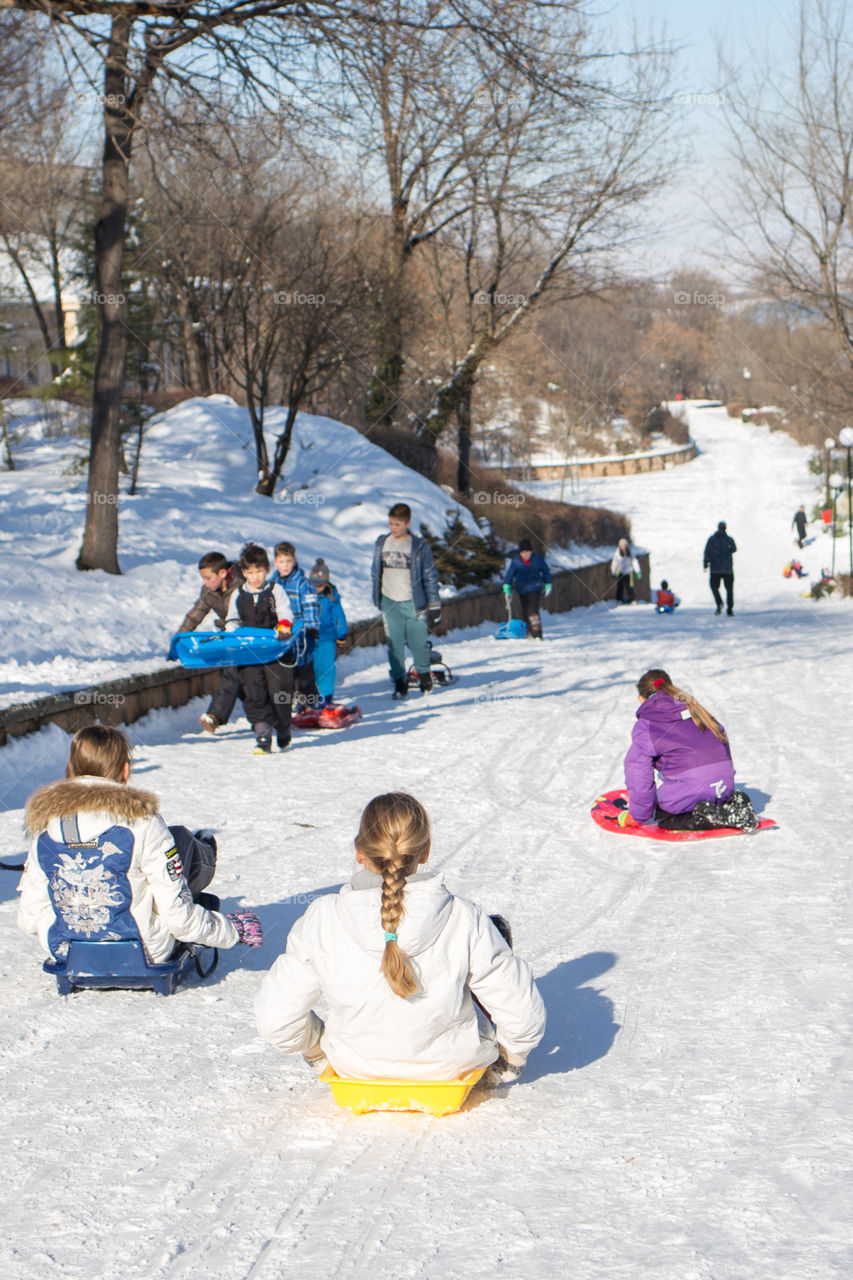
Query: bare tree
x,y
792,135
549,206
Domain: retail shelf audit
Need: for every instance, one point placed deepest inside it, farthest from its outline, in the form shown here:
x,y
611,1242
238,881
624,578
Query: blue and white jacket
x,y
123,880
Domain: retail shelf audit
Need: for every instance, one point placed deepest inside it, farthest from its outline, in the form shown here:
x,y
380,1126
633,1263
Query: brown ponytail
x,y
393,837
657,681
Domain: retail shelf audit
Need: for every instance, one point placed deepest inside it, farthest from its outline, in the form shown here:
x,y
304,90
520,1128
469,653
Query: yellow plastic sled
x,y
437,1097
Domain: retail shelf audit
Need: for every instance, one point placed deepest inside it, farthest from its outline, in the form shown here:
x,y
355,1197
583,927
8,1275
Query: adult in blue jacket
x,y
719,550
405,588
531,577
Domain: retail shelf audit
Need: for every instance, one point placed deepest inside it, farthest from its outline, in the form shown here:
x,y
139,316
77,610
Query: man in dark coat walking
x,y
799,523
719,550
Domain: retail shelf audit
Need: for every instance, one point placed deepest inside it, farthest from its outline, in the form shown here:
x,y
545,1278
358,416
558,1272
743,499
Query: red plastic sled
x,y
331,717
609,806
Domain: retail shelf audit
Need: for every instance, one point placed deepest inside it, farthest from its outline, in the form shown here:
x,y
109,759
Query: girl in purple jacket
x,y
677,738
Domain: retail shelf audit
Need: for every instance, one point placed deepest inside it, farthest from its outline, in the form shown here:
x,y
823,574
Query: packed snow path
x,y
687,1116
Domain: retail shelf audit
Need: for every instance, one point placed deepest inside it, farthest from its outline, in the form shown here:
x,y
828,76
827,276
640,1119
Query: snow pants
x,y
325,653
625,589
729,580
268,698
198,858
404,627
530,613
305,684
230,689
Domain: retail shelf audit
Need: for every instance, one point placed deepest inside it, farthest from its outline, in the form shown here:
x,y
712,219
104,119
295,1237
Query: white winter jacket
x,y
335,951
624,564
161,903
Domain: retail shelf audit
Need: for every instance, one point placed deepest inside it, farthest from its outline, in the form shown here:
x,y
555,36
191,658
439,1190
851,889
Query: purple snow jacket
x,y
692,763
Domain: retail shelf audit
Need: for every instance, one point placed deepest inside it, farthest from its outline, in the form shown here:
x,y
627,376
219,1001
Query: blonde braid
x,y
393,837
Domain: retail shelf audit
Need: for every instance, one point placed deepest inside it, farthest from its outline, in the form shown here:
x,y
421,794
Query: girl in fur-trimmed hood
x,y
103,865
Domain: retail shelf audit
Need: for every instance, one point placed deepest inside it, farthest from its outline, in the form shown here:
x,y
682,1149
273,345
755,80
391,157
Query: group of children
x,y
419,984
246,594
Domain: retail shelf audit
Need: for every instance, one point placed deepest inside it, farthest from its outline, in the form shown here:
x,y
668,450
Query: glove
x,y
638,574
284,629
341,646
507,589
625,820
311,633
433,614
248,926
547,589
505,1070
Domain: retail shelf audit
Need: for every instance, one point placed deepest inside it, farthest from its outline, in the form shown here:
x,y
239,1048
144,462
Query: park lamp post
x,y
829,445
845,439
836,484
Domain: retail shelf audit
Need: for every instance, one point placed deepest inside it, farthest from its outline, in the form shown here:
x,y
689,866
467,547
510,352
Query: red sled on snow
x,y
332,716
608,808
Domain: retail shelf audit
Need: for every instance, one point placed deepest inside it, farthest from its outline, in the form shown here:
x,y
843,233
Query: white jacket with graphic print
x,y
335,951
161,903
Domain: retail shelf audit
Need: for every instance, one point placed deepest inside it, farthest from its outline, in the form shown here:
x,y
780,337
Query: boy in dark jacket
x,y
267,687
405,588
531,577
220,579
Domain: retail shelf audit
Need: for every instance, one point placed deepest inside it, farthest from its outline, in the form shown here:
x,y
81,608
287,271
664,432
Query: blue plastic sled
x,y
245,647
513,628
115,965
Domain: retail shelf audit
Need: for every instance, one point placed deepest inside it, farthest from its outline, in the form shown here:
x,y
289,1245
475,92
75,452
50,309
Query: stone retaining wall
x,y
629,465
128,699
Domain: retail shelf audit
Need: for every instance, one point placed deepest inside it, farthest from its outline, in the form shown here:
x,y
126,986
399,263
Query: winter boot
x,y
208,722
282,741
739,812
425,681
401,688
263,747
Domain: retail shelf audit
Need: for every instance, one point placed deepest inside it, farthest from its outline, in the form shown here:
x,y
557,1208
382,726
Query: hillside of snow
x,y
687,1115
64,629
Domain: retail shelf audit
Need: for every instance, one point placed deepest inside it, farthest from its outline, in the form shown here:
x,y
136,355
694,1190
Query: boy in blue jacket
x,y
531,577
306,607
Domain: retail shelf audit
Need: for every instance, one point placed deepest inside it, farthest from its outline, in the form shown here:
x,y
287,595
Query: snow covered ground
x,y
687,1116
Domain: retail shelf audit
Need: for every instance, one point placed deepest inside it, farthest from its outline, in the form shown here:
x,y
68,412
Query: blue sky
x,y
748,31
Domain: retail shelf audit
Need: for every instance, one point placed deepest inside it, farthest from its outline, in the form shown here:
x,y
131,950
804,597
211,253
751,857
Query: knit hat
x,y
319,574
525,545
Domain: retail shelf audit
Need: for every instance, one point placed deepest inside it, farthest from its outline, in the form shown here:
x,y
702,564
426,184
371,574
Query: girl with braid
x,y
405,967
677,738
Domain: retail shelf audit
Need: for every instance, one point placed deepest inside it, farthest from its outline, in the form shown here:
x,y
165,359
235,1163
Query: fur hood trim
x,y
87,795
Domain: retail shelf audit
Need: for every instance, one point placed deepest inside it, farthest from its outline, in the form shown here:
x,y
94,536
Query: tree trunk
x,y
100,538
463,439
383,396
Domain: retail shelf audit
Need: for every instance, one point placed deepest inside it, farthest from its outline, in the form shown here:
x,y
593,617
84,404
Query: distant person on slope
x,y
666,601
719,550
799,523
625,567
405,588
531,577
678,739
